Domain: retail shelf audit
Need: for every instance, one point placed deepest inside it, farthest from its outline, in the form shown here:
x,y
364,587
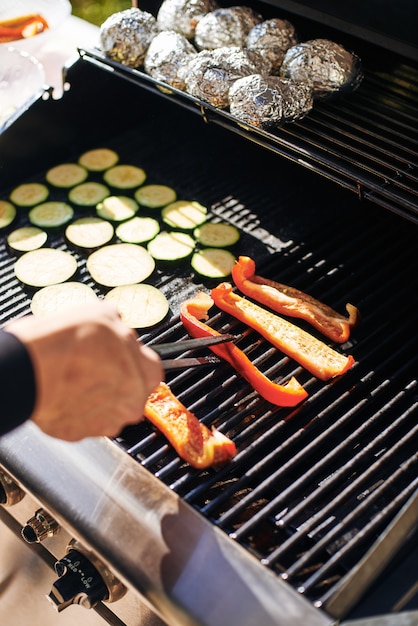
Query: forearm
x,y
17,383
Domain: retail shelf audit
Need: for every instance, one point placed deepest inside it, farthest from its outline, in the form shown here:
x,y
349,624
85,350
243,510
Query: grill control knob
x,y
39,527
10,493
83,580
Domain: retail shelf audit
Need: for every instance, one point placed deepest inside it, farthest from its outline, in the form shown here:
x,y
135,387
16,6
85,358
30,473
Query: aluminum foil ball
x,y
225,27
268,101
210,74
324,65
125,36
182,16
167,53
272,38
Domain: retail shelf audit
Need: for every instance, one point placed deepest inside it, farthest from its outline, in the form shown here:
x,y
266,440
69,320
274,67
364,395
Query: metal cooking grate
x,y
311,488
365,141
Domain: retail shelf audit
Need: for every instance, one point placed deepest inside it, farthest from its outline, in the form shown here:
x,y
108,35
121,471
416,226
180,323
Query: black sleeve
x,y
17,383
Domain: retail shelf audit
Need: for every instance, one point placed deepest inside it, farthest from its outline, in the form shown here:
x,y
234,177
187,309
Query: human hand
x,y
92,375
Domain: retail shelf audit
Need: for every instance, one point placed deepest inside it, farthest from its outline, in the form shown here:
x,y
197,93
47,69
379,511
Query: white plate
x,y
53,11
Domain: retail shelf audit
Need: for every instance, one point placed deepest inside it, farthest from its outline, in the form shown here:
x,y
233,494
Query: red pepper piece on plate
x,y
292,302
22,27
192,440
193,311
314,355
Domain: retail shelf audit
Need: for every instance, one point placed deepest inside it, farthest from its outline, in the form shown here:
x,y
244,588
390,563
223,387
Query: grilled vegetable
x,y
213,262
138,229
217,234
29,194
184,214
27,238
51,214
140,306
89,232
318,358
196,309
193,441
46,266
88,194
292,302
120,264
58,298
155,196
117,208
7,213
172,246
66,175
98,159
124,176
22,27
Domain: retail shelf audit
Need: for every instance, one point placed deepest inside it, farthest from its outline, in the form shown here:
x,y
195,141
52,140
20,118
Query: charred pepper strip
x,y
196,309
318,358
290,301
22,27
193,441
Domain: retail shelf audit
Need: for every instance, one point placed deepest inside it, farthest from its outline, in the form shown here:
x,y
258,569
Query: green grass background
x,y
96,11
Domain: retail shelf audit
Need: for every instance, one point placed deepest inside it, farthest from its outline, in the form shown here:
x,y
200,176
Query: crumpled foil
x,y
272,38
126,35
268,101
210,74
225,27
183,16
324,65
167,53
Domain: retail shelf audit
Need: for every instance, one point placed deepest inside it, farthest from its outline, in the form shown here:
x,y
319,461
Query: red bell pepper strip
x,y
318,358
290,301
22,27
196,309
192,440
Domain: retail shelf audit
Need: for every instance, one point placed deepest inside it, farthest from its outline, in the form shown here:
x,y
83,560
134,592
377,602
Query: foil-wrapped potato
x,y
268,101
324,65
183,16
210,74
126,35
272,38
225,27
167,53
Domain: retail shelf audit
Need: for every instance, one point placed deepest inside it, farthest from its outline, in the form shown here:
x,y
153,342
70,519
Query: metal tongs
x,y
177,347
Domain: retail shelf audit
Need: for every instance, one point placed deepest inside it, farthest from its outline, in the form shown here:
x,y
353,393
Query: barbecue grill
x,y
314,521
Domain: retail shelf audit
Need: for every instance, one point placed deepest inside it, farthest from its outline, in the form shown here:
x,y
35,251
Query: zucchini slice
x,y
7,213
29,194
66,175
117,208
98,159
46,266
138,230
155,196
120,264
88,194
184,214
216,235
27,238
213,262
140,306
57,298
51,214
124,176
171,246
89,232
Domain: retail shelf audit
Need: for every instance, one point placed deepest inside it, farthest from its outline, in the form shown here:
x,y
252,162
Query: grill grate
x,y
365,141
311,488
